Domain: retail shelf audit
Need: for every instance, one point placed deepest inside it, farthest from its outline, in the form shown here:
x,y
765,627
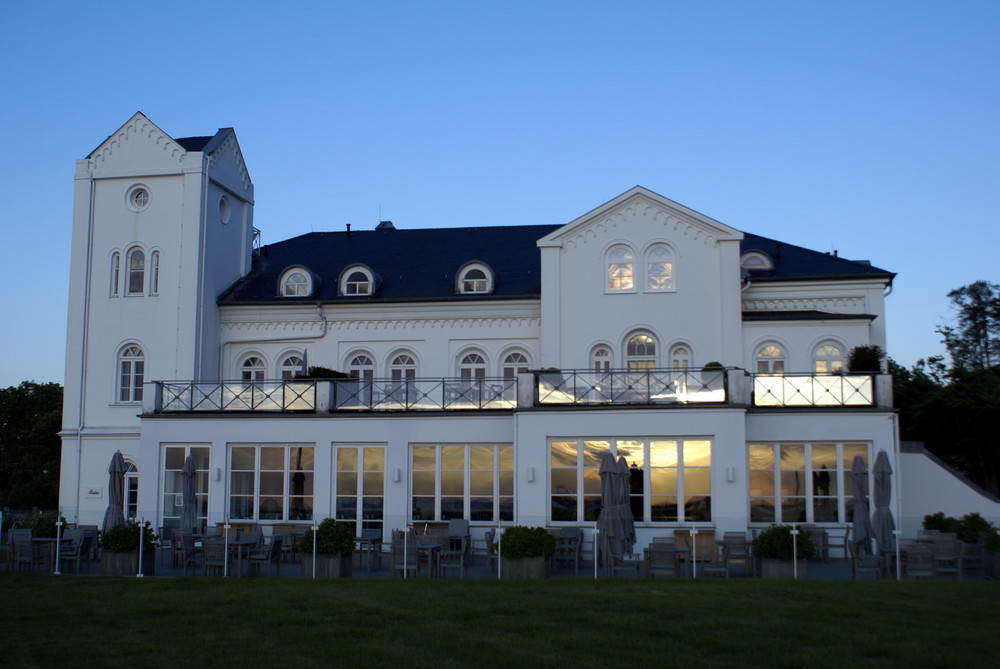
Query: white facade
x,y
443,418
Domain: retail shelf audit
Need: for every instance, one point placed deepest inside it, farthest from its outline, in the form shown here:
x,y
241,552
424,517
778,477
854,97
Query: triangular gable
x,y
227,158
138,130
639,201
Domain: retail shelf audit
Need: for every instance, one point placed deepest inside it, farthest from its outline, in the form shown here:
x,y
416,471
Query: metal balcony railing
x,y
675,386
814,390
424,394
237,396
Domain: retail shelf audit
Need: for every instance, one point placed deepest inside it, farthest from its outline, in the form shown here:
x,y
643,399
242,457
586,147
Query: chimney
x,y
385,225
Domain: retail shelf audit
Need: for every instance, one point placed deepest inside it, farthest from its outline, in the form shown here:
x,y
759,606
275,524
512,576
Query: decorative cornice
x,y
383,324
140,126
231,147
851,304
640,207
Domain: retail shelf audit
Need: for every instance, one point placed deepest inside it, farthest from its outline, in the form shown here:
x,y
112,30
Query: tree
x,y
30,417
974,341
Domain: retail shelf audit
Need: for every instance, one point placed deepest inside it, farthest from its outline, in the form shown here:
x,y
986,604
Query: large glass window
x,y
770,360
621,269
131,374
473,481
659,268
829,359
173,483
640,353
360,486
136,271
803,482
271,482
669,479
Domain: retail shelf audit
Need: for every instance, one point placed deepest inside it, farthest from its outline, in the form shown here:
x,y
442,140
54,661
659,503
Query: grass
x,y
119,622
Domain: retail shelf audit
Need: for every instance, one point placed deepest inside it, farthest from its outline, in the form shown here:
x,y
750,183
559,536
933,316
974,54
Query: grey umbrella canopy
x,y
189,510
882,521
862,529
615,521
116,493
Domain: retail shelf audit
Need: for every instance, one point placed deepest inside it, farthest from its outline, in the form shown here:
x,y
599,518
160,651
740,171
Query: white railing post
x,y
795,552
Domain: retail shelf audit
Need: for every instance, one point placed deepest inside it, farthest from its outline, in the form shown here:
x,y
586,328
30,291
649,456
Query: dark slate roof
x,y
408,264
795,262
193,143
420,265
802,315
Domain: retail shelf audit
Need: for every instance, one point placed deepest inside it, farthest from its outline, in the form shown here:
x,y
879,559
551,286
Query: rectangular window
x,y
173,483
472,481
670,479
271,482
803,482
360,486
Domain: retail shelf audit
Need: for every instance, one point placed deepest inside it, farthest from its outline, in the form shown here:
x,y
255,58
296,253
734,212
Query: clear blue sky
x,y
872,128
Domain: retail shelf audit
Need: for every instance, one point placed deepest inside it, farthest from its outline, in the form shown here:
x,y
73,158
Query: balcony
x,y
576,387
722,386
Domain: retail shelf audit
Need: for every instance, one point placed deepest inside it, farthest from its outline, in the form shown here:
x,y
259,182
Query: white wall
x,y
928,486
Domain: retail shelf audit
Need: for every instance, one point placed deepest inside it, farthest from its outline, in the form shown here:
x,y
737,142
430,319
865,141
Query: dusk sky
x,y
869,128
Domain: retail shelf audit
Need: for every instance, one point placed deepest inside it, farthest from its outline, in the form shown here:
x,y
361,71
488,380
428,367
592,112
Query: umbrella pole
x,y
142,540
499,549
597,534
693,533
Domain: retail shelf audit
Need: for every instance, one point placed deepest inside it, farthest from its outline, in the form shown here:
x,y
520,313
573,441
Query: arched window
x,y
621,269
357,281
475,279
513,364
296,283
640,353
291,366
680,357
770,360
136,271
130,504
601,359
403,368
154,273
829,359
116,269
472,366
361,366
253,369
131,373
659,268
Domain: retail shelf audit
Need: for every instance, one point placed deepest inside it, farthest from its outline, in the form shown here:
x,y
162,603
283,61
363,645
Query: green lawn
x,y
290,623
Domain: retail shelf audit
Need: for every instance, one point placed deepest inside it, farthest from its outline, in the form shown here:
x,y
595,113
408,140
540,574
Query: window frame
x,y
154,273
472,370
835,364
130,374
667,277
300,288
116,269
368,495
172,482
510,368
308,510
602,359
775,364
288,369
619,269
478,286
132,274
251,371
444,483
641,362
350,286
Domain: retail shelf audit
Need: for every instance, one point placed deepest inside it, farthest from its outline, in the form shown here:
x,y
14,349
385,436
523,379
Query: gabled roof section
x,y
410,265
796,263
635,202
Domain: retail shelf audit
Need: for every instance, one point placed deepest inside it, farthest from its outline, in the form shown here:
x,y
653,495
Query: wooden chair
x,y
213,555
404,556
266,556
568,548
20,552
919,561
661,559
451,554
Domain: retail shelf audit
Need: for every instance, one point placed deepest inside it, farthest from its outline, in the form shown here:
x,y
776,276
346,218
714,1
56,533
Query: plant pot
x,y
127,564
532,567
328,566
781,568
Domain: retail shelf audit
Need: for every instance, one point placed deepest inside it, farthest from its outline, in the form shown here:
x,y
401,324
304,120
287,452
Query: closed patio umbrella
x,y
615,520
189,510
862,529
116,493
882,520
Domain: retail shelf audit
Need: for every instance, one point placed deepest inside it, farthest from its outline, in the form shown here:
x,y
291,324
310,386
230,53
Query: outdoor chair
x,y
94,533
947,552
266,556
735,553
863,562
568,548
404,557
75,551
213,555
451,555
166,545
661,559
485,547
919,561
188,551
20,553
973,555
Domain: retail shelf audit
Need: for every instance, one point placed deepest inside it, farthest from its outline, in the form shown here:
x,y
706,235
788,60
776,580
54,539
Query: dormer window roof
x,y
756,260
475,278
296,282
357,281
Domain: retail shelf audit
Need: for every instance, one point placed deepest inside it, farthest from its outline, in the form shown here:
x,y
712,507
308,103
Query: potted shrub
x,y
525,551
43,523
334,548
774,546
120,554
866,358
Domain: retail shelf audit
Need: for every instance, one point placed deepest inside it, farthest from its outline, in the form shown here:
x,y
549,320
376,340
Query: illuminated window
x,y
770,360
271,482
621,269
659,268
296,283
471,481
360,486
828,359
475,278
640,353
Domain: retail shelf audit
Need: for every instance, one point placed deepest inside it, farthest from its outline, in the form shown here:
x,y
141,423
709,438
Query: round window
x,y
224,209
137,198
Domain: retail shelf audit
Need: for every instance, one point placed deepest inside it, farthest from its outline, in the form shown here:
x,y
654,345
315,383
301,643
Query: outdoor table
x,y
368,545
237,546
430,551
44,548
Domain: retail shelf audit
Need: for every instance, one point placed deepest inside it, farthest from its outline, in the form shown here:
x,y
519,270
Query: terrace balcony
x,y
685,387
